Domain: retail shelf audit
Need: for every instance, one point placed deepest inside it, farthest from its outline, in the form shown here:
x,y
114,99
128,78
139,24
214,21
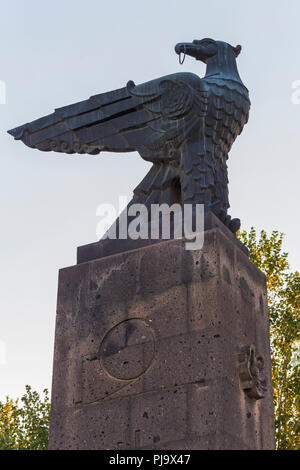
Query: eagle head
x,y
205,49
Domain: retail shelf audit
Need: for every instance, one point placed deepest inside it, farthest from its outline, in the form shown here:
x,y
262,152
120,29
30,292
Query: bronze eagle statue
x,y
185,125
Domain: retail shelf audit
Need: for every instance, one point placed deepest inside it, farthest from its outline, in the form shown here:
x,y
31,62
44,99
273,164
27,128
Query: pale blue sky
x,y
54,53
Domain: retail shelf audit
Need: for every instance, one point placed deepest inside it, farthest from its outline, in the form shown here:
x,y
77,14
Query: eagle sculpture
x,y
183,124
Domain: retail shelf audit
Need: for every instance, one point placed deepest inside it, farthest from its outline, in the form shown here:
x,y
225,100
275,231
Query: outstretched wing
x,y
145,118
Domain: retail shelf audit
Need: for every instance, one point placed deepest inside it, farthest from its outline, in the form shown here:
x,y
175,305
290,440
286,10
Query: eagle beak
x,y
187,48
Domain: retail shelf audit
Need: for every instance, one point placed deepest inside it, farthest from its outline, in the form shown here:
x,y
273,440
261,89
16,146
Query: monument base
x,y
163,348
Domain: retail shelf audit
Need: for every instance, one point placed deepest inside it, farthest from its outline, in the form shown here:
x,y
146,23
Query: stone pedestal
x,y
163,348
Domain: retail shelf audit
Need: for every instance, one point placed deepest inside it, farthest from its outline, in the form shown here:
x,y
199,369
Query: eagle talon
x,y
234,225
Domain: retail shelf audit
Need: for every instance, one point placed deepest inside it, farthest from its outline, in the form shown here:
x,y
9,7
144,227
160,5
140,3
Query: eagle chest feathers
x,y
201,120
227,113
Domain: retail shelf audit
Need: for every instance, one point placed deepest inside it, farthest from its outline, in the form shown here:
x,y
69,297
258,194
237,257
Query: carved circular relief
x,y
127,350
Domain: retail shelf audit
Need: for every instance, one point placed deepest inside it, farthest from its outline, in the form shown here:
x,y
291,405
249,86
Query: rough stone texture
x,y
148,349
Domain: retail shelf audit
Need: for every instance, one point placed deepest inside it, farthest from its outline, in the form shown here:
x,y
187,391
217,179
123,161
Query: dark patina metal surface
x,y
181,123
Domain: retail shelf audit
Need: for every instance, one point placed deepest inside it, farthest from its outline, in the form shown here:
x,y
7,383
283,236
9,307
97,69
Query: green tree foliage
x,y
284,309
25,425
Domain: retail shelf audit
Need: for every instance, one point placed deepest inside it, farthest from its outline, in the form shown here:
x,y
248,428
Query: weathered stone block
x,y
163,348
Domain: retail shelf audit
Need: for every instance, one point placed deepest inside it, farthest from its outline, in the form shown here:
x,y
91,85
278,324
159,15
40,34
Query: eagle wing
x,y
149,118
